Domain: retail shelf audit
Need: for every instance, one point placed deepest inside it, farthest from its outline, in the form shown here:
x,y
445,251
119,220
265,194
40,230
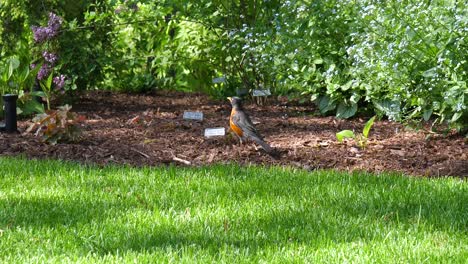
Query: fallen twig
x,y
186,162
141,153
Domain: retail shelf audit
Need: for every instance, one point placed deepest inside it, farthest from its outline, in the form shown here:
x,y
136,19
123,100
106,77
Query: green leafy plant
x,y
7,69
57,125
16,77
10,65
360,138
27,104
347,56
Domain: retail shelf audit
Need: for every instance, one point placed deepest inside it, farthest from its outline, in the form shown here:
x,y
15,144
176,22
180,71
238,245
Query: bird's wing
x,y
242,120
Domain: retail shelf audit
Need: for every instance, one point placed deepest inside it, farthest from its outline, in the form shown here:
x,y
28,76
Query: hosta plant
x,y
59,125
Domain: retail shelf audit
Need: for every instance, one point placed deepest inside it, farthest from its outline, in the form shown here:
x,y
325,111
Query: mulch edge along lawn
x,y
147,130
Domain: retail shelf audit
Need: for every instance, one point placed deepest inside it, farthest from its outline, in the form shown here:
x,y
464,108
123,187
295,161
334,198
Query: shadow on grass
x,y
313,228
40,212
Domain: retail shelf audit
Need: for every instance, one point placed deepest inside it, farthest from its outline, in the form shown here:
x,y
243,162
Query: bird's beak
x,y
230,99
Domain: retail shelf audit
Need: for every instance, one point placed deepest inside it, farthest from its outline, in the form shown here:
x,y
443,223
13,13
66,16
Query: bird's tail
x,y
263,144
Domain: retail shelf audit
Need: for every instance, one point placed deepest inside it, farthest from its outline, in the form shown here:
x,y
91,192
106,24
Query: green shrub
x,y
404,60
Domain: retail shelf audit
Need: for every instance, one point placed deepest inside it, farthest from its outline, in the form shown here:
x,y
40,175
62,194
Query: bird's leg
x,y
240,140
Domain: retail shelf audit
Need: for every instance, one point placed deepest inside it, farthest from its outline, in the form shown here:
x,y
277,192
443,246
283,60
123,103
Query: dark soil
x,y
149,130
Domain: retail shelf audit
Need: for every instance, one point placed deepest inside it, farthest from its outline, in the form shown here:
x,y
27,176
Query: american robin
x,y
241,124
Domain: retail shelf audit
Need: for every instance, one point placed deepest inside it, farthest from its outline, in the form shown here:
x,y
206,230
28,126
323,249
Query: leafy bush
x,y
404,60
34,57
16,77
412,59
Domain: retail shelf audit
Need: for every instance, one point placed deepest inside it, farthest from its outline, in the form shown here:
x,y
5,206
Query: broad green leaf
x,y
346,86
344,134
430,73
355,98
346,110
367,127
325,104
389,107
32,106
318,61
456,116
13,64
427,114
38,93
49,81
23,75
5,76
43,85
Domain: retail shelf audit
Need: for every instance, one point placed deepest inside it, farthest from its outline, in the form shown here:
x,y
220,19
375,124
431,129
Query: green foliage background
x,y
406,60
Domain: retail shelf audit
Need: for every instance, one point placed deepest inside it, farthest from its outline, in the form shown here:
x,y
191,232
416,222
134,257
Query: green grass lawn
x,y
52,211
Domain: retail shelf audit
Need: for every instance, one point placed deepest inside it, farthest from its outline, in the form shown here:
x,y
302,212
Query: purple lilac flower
x,y
42,34
59,81
50,57
50,32
43,72
39,34
32,66
54,22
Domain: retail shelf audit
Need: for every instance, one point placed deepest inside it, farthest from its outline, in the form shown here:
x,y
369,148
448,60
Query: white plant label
x,y
261,92
219,79
216,131
193,115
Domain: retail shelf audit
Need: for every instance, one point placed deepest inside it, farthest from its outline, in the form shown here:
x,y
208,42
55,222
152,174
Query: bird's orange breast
x,y
233,126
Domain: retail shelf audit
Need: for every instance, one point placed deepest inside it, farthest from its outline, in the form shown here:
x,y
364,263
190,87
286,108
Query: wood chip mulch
x,y
149,130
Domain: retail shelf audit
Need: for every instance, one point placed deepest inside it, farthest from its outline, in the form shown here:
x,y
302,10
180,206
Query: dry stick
x,y
186,162
141,153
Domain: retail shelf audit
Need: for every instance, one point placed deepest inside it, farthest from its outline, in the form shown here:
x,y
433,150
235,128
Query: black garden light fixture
x,y
10,125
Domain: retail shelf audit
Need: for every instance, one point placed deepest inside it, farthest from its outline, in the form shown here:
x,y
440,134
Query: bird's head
x,y
235,101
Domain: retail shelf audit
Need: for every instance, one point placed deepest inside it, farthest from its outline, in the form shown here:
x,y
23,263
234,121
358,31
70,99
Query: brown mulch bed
x,y
149,130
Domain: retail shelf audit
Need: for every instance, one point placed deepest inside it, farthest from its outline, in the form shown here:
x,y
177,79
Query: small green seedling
x,y
360,139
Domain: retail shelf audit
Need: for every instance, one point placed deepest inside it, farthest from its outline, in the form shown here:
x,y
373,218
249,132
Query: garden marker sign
x,y
220,79
193,115
216,131
265,92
